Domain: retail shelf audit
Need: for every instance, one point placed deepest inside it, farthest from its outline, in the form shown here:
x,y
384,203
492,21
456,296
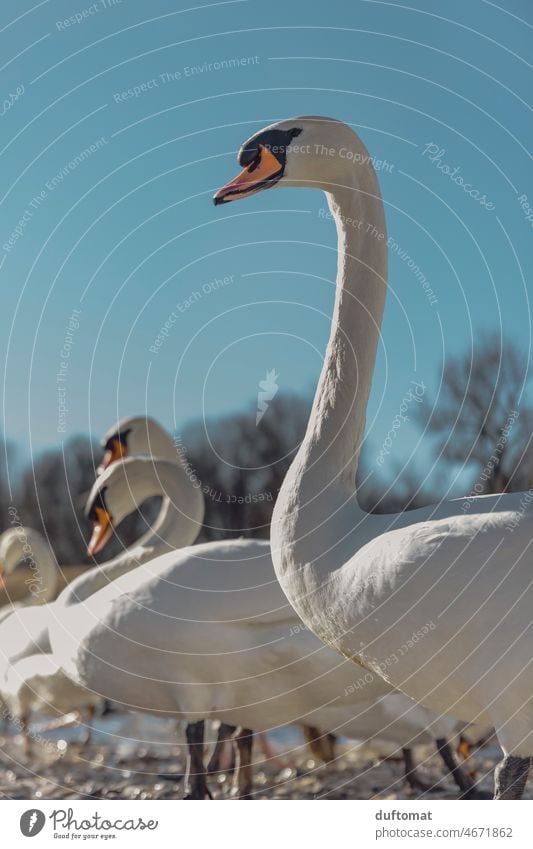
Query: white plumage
x,y
363,583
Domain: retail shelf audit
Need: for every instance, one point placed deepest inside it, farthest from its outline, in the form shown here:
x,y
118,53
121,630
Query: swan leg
x,y
463,781
195,781
329,745
321,746
269,753
26,736
510,777
91,713
225,734
411,773
244,741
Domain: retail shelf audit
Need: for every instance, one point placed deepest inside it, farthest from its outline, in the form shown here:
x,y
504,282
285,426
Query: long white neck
x,y
178,524
336,426
320,485
42,575
175,525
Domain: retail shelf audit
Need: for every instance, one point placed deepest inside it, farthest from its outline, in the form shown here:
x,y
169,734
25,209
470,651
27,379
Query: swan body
x,y
363,583
38,683
391,596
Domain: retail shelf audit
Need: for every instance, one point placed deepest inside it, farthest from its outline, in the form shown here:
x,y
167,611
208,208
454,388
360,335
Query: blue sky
x,y
129,233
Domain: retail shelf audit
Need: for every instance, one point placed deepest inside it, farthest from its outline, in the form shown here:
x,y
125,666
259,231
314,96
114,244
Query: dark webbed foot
x,y
510,777
411,775
244,740
196,779
198,790
225,735
463,781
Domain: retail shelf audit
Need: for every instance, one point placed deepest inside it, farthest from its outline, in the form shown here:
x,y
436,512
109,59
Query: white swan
x,y
206,632
364,583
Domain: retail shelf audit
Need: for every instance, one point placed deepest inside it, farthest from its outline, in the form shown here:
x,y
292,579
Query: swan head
x,y
120,490
136,436
308,151
17,544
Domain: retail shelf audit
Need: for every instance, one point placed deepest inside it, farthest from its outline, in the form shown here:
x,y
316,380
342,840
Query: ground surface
x,y
138,758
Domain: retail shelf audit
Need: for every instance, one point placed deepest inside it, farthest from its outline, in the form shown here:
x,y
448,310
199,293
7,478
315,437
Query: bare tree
x,y
479,419
241,465
482,418
400,491
50,497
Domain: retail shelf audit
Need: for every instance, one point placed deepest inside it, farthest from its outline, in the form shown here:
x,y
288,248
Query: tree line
x,y
479,428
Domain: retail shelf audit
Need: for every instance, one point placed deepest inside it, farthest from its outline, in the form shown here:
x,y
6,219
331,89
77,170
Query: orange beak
x,y
102,532
116,452
262,174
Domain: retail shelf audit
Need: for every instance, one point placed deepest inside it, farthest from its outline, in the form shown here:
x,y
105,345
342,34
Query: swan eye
x,y
255,164
115,449
119,436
